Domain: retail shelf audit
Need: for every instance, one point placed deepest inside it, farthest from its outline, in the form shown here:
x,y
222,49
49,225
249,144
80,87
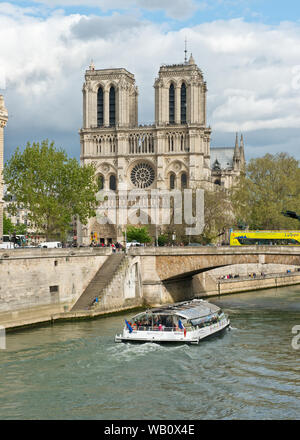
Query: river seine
x,y
77,371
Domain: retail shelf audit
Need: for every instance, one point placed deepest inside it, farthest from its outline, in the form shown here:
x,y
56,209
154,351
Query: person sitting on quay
x,y
95,302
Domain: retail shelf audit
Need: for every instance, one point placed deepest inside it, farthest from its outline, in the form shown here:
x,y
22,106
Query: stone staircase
x,y
99,283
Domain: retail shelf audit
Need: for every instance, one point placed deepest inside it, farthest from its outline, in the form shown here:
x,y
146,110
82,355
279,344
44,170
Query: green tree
x,y
162,239
21,229
217,215
270,185
51,186
140,234
8,226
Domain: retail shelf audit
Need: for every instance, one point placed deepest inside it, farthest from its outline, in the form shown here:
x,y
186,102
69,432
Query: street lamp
x,y
173,237
125,235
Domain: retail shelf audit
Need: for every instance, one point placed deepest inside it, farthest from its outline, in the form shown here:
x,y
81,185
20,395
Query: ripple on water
x,y
76,371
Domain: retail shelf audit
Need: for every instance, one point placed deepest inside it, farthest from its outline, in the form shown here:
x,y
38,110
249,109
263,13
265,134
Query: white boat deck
x,y
186,322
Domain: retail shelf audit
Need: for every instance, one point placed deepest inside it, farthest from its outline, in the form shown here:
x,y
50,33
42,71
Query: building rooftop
x,y
224,156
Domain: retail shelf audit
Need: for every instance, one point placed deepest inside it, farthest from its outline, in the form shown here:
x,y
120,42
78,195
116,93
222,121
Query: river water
x,y
76,371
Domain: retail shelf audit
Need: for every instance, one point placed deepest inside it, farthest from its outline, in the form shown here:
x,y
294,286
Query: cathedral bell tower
x,y
180,95
109,98
180,118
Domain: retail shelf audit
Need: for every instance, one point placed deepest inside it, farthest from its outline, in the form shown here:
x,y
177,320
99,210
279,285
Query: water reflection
x,y
76,371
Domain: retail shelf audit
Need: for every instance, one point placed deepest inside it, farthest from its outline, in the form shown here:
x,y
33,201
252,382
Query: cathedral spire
x,y
236,148
236,154
185,51
242,151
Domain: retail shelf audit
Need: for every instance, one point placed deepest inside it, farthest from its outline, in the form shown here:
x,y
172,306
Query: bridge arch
x,y
171,269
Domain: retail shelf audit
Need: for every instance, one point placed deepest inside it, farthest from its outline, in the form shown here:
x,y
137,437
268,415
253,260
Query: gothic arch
x,y
112,100
183,180
172,180
172,102
177,166
112,179
100,179
141,143
183,103
106,168
97,85
171,139
110,84
100,106
183,81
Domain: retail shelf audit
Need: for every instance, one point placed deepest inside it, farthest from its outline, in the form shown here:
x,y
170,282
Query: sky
x,y
248,51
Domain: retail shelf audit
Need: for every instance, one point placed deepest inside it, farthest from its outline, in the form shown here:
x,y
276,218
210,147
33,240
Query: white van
x,y
50,244
8,245
132,243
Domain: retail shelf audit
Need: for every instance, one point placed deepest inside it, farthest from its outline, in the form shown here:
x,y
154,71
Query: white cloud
x,y
178,9
250,71
88,28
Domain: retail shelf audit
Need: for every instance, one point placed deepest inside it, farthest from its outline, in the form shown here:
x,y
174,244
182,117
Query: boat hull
x,y
191,337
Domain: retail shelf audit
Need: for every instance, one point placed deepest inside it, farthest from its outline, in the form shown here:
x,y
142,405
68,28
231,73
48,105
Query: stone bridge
x,y
166,271
46,284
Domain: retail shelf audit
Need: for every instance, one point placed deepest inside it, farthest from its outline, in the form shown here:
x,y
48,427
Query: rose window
x,y
142,175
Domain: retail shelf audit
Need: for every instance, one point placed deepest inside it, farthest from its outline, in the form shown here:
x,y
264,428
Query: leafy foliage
x,y
162,239
140,234
51,186
8,226
217,214
217,217
270,185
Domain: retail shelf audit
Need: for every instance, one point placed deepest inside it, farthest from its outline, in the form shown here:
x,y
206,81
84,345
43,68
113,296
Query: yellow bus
x,y
265,238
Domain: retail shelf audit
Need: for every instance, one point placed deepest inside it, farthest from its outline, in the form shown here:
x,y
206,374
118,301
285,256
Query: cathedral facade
x,y
172,153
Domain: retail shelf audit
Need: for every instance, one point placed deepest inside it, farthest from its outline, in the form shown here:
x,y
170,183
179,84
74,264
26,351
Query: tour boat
x,y
187,322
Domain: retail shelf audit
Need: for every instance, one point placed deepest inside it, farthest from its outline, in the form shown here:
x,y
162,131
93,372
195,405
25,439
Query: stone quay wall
x,y
274,275
42,285
38,283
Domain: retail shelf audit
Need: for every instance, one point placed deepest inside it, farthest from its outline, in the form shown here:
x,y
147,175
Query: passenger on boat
x,y
169,322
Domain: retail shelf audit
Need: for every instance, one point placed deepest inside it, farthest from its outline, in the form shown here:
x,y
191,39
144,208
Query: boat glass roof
x,y
189,309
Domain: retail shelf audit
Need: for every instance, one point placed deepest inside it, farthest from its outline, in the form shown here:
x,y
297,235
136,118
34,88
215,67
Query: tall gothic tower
x,y
172,153
180,118
3,120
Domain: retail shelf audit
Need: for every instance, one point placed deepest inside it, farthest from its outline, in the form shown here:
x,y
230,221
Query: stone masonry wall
x,y
40,282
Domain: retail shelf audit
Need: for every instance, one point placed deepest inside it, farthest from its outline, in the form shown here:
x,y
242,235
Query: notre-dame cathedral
x,y
172,153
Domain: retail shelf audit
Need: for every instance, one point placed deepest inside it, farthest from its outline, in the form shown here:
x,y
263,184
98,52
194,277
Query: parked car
x,y
133,243
50,244
8,245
